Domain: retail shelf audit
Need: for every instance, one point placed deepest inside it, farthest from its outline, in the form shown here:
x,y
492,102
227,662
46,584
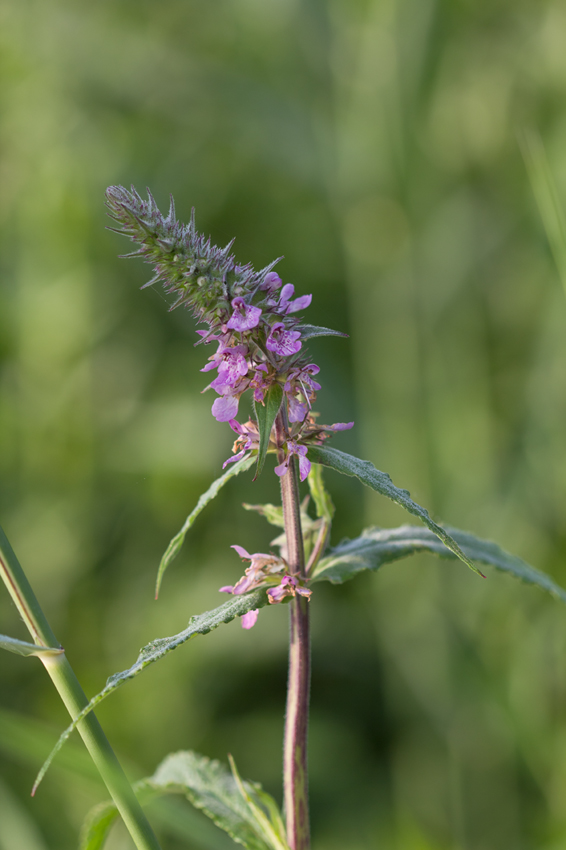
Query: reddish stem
x,y
295,773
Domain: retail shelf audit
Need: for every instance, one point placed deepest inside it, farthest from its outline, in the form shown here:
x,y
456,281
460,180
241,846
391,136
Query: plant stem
x,y
295,774
75,700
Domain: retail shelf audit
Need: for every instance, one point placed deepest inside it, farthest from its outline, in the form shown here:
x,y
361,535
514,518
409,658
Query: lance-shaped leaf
x,y
242,809
22,647
177,541
201,624
382,483
265,415
378,546
310,331
321,496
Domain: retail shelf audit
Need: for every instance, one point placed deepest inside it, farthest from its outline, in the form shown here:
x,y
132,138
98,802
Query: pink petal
x,y
242,552
233,459
299,304
297,410
271,281
287,292
249,620
245,320
212,365
228,588
243,585
276,594
225,408
304,467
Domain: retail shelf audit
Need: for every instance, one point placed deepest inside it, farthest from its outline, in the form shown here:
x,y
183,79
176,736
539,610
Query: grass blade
x,y
544,188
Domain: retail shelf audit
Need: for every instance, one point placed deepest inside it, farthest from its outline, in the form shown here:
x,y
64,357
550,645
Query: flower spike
x,y
249,314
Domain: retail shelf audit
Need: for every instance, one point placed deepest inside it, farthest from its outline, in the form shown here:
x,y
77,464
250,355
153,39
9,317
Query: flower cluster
x,y
265,570
250,316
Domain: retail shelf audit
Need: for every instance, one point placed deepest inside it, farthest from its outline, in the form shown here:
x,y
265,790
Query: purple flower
x,y
248,438
306,373
287,306
271,282
245,316
289,587
232,367
303,376
304,463
262,570
300,383
261,567
283,342
225,408
297,409
259,382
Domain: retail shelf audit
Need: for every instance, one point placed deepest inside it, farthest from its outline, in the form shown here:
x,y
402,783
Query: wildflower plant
x,y
255,326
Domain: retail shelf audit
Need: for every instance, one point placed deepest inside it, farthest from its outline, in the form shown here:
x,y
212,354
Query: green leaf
x,y
101,818
22,647
378,546
176,543
265,415
310,331
211,788
270,828
97,825
242,809
272,513
324,507
382,483
201,624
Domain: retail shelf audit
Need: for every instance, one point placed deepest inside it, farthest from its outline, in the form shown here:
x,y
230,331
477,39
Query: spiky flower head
x,y
250,315
202,276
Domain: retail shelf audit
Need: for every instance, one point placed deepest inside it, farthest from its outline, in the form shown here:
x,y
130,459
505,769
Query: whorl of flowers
x,y
250,315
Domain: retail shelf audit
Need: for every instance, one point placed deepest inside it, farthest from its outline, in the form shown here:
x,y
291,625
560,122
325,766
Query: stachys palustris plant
x,y
253,322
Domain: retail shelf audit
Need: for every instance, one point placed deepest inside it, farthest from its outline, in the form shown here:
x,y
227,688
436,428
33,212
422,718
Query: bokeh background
x,y
375,143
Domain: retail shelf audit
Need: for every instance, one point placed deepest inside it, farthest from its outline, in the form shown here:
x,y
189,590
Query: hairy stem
x,y
295,774
75,700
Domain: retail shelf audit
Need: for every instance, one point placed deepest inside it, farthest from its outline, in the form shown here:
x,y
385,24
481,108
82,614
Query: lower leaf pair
x,y
242,809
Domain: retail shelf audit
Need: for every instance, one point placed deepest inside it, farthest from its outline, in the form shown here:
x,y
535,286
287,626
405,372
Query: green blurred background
x,y
375,144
